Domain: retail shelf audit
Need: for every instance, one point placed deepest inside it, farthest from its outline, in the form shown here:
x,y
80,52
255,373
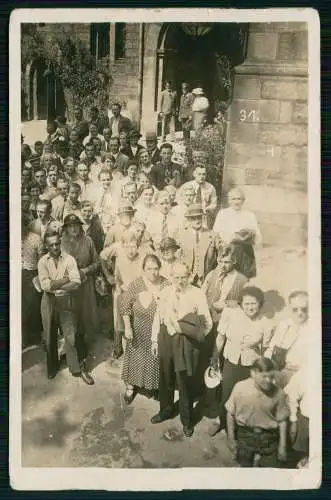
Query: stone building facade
x,y
267,131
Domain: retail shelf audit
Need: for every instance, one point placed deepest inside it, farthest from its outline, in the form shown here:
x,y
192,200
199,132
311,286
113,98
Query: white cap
x,y
212,382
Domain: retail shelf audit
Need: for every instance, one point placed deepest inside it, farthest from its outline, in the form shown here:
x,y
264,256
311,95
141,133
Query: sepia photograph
x,y
165,248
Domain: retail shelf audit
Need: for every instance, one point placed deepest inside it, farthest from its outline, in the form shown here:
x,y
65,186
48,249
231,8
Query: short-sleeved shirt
x,y
32,249
48,271
251,407
246,339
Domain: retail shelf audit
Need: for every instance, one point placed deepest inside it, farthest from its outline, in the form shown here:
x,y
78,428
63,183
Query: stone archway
x,y
44,95
190,52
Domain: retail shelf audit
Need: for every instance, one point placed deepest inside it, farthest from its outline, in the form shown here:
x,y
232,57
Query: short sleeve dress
x,y
140,368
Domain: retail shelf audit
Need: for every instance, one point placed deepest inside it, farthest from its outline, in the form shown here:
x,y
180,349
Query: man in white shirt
x,y
92,162
59,200
59,277
292,337
180,306
184,202
240,227
106,138
93,133
233,219
297,393
44,218
164,223
204,192
88,188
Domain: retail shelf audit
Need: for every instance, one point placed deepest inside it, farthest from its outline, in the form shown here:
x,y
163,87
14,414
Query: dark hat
x,y
71,219
168,243
191,327
151,136
125,208
194,210
134,133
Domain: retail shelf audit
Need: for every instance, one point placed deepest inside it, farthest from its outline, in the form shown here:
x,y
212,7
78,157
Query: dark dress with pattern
x,y
83,250
140,367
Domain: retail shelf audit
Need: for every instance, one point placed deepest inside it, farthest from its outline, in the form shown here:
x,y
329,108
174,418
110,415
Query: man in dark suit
x,y
80,125
101,122
117,122
151,146
121,160
132,151
166,171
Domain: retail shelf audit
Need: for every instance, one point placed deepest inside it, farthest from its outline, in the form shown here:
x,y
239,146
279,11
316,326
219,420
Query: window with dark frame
x,y
100,40
120,40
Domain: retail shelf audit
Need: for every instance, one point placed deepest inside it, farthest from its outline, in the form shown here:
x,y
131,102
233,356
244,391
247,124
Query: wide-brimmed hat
x,y
168,243
191,327
125,208
71,219
212,381
198,91
150,136
134,133
194,210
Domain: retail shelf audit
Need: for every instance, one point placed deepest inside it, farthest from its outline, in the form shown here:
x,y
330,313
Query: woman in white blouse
x,y
238,226
146,209
243,336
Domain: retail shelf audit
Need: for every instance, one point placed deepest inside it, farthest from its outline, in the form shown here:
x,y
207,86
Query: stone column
x,y
266,150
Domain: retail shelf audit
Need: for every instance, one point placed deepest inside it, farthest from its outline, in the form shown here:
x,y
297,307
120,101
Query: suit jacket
x,y
121,163
81,128
155,158
129,153
162,176
223,288
206,250
96,233
101,122
124,123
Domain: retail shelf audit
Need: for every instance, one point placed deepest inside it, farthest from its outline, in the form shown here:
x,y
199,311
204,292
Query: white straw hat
x,y
198,91
212,382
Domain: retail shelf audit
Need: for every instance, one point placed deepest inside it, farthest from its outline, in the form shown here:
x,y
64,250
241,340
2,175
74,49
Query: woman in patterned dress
x,y
140,368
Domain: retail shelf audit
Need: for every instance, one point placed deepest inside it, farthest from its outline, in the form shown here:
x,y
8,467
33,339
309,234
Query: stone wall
x,y
78,30
267,132
125,72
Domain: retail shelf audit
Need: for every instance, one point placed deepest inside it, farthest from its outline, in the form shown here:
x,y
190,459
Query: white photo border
x,y
26,478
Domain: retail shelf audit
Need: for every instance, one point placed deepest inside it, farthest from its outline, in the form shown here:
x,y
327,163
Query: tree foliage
x,y
71,62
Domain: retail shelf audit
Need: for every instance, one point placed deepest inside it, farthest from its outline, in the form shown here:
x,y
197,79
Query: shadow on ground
x,y
52,431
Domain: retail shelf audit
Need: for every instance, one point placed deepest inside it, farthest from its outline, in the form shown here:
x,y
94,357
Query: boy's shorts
x,y
254,440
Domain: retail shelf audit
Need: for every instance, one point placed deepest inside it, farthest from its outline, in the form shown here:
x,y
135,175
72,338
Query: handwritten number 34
x,y
248,115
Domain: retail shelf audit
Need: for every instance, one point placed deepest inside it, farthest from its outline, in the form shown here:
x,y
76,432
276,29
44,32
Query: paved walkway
x,y
68,424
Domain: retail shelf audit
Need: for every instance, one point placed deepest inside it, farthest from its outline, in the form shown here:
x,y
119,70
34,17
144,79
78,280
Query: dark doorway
x,y
46,97
192,55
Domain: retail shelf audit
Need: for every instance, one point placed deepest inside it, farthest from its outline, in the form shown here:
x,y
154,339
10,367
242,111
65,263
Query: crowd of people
x,y
110,222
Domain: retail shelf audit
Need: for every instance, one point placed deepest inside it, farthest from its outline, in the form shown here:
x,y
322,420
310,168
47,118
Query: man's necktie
x,y
198,196
164,229
196,254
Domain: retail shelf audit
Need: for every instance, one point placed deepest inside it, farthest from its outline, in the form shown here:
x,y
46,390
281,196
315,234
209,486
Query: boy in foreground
x,y
257,414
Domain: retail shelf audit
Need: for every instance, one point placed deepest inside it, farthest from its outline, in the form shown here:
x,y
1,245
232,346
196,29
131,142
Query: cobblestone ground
x,y
68,424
